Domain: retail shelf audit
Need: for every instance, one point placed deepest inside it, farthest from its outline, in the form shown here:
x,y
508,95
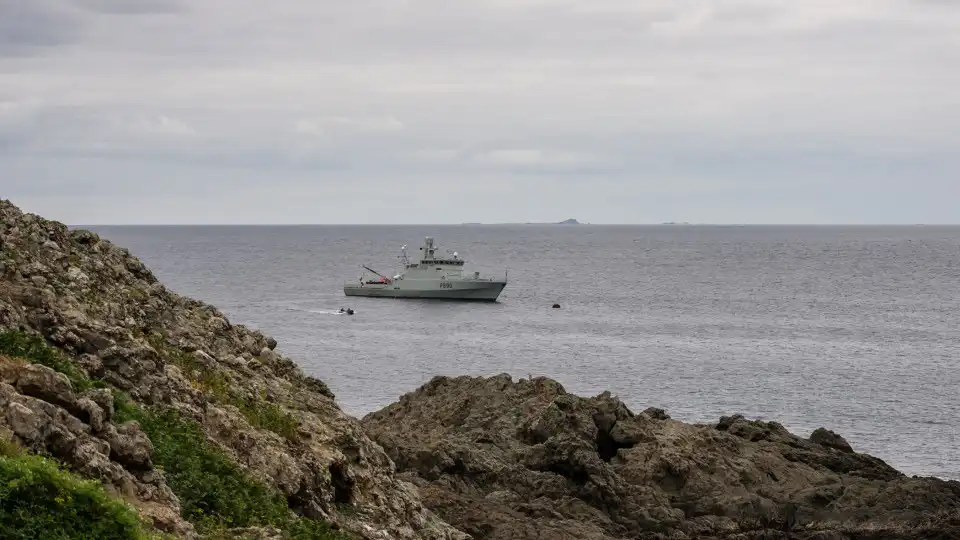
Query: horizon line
x,y
551,224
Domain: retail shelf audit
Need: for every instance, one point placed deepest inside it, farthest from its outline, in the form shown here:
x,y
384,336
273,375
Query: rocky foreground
x,y
500,459
181,370
199,428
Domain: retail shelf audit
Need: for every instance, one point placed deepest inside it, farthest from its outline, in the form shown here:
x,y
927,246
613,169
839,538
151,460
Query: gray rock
x,y
46,384
129,445
92,364
656,413
104,400
825,437
204,359
24,422
93,414
76,275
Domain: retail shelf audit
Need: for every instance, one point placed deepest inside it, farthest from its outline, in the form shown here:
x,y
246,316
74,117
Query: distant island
x,y
570,221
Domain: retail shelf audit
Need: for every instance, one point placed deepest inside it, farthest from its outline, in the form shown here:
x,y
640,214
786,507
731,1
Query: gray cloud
x,y
130,7
630,110
31,27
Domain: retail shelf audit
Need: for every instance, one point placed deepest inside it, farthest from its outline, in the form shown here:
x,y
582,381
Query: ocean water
x,y
853,328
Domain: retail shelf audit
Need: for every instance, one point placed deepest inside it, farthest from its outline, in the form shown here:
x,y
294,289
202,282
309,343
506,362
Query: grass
x,y
259,412
17,344
215,494
270,416
40,500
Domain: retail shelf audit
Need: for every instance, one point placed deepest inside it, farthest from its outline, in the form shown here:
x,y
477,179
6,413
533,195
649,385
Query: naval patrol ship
x,y
433,276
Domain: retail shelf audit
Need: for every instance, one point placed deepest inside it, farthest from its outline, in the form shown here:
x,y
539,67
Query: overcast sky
x,y
441,111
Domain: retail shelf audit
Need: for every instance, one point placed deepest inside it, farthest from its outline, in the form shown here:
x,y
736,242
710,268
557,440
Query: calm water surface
x,y
854,329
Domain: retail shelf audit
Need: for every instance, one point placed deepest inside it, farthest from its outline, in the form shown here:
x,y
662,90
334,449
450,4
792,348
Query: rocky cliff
x,y
526,460
197,422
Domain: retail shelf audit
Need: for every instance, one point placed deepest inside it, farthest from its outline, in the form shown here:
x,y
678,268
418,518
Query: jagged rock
x,y
23,422
204,359
91,364
46,384
526,460
656,413
129,446
93,414
830,439
104,399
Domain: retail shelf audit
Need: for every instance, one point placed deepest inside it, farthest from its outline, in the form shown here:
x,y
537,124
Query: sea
x,y
856,329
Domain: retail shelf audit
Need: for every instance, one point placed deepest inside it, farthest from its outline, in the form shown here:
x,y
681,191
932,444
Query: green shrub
x,y
39,500
215,494
33,348
259,412
270,416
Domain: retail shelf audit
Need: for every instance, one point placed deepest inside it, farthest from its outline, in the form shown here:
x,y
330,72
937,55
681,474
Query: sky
x,y
436,111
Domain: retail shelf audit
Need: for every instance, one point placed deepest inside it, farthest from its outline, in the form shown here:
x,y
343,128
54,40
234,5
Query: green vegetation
x,y
258,411
270,416
33,348
215,494
39,500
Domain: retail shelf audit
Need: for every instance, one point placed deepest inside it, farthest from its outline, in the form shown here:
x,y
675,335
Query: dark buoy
x,y
556,306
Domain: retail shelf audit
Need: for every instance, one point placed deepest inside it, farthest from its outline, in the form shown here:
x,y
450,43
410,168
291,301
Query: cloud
x,y
536,160
16,115
755,103
31,27
321,126
162,126
131,7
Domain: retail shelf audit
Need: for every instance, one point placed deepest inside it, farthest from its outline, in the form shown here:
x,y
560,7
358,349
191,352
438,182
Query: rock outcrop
x,y
39,408
107,312
526,460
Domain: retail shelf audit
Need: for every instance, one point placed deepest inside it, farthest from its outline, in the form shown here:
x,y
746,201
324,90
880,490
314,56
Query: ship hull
x,y
481,291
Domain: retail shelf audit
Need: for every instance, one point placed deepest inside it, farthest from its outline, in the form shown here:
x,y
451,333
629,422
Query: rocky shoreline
x,y
205,430
504,459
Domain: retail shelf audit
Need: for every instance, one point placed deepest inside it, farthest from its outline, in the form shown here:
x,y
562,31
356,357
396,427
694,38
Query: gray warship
x,y
433,276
